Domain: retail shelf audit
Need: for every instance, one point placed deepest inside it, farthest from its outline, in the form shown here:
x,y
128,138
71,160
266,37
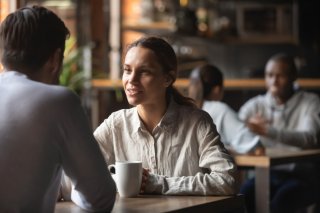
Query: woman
x,y
178,144
206,88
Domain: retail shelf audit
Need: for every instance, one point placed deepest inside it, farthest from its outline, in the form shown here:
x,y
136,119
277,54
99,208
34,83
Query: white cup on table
x,y
128,176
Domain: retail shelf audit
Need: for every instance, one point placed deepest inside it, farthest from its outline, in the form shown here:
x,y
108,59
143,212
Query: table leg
x,y
262,189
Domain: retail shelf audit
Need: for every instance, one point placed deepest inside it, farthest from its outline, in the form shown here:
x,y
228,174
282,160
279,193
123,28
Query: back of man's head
x,y
29,36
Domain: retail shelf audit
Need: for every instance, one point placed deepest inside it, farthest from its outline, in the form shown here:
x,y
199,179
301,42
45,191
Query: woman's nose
x,y
133,77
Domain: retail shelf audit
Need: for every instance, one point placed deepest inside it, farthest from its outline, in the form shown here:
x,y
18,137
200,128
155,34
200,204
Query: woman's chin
x,y
133,102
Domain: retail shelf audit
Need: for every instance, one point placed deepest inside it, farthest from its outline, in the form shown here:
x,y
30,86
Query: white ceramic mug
x,y
128,176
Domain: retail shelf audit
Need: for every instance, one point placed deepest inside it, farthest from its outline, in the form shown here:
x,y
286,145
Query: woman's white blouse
x,y
183,154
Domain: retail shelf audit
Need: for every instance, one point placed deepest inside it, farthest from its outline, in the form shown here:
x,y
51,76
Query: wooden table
x,y
158,203
262,165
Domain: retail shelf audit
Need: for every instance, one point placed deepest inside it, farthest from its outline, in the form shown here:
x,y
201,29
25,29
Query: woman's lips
x,y
133,91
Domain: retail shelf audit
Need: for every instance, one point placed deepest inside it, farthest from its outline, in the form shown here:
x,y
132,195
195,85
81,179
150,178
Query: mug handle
x,y
112,169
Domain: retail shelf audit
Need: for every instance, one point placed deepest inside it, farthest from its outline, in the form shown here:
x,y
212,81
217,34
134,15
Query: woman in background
x,y
177,143
206,88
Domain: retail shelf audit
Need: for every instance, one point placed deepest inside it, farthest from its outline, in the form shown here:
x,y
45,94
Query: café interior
x,y
238,36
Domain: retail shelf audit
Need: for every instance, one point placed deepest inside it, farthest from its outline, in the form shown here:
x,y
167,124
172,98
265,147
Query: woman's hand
x,y
145,176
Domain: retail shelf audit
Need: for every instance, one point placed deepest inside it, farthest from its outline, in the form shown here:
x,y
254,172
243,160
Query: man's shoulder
x,y
307,98
308,95
58,93
62,92
53,97
23,89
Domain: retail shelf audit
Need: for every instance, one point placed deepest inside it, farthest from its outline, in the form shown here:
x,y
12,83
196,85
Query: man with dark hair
x,y
285,118
43,128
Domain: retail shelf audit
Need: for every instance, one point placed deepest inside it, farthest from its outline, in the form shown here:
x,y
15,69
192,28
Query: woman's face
x,y
143,79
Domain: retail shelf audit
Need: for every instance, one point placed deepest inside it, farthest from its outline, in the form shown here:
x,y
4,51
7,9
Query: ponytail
x,y
173,92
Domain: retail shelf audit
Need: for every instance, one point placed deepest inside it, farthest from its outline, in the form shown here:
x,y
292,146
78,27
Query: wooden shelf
x,y
260,40
250,84
147,26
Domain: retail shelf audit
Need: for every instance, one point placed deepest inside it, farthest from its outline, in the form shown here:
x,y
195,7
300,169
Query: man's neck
x,y
283,99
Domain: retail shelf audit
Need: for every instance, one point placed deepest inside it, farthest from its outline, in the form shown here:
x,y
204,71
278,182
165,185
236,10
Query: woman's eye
x,y
145,72
126,70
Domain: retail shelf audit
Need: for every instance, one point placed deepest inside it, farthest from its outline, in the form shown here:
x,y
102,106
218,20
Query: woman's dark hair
x,y
168,60
29,36
209,76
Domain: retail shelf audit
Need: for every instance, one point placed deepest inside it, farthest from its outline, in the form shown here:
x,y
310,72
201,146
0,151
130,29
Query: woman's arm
x,y
218,176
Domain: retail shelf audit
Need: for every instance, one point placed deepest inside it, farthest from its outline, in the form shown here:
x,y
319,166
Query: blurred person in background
x,y
177,143
43,128
206,88
285,118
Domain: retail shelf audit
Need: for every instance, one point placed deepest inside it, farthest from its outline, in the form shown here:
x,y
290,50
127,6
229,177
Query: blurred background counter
x,y
238,36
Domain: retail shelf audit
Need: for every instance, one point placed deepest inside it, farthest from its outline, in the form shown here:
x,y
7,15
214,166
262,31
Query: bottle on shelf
x,y
202,20
186,19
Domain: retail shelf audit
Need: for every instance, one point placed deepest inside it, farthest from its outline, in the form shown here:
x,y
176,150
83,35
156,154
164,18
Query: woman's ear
x,y
216,90
216,93
169,78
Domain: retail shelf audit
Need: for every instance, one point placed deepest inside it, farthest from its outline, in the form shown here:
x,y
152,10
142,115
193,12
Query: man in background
x,y
285,118
43,128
